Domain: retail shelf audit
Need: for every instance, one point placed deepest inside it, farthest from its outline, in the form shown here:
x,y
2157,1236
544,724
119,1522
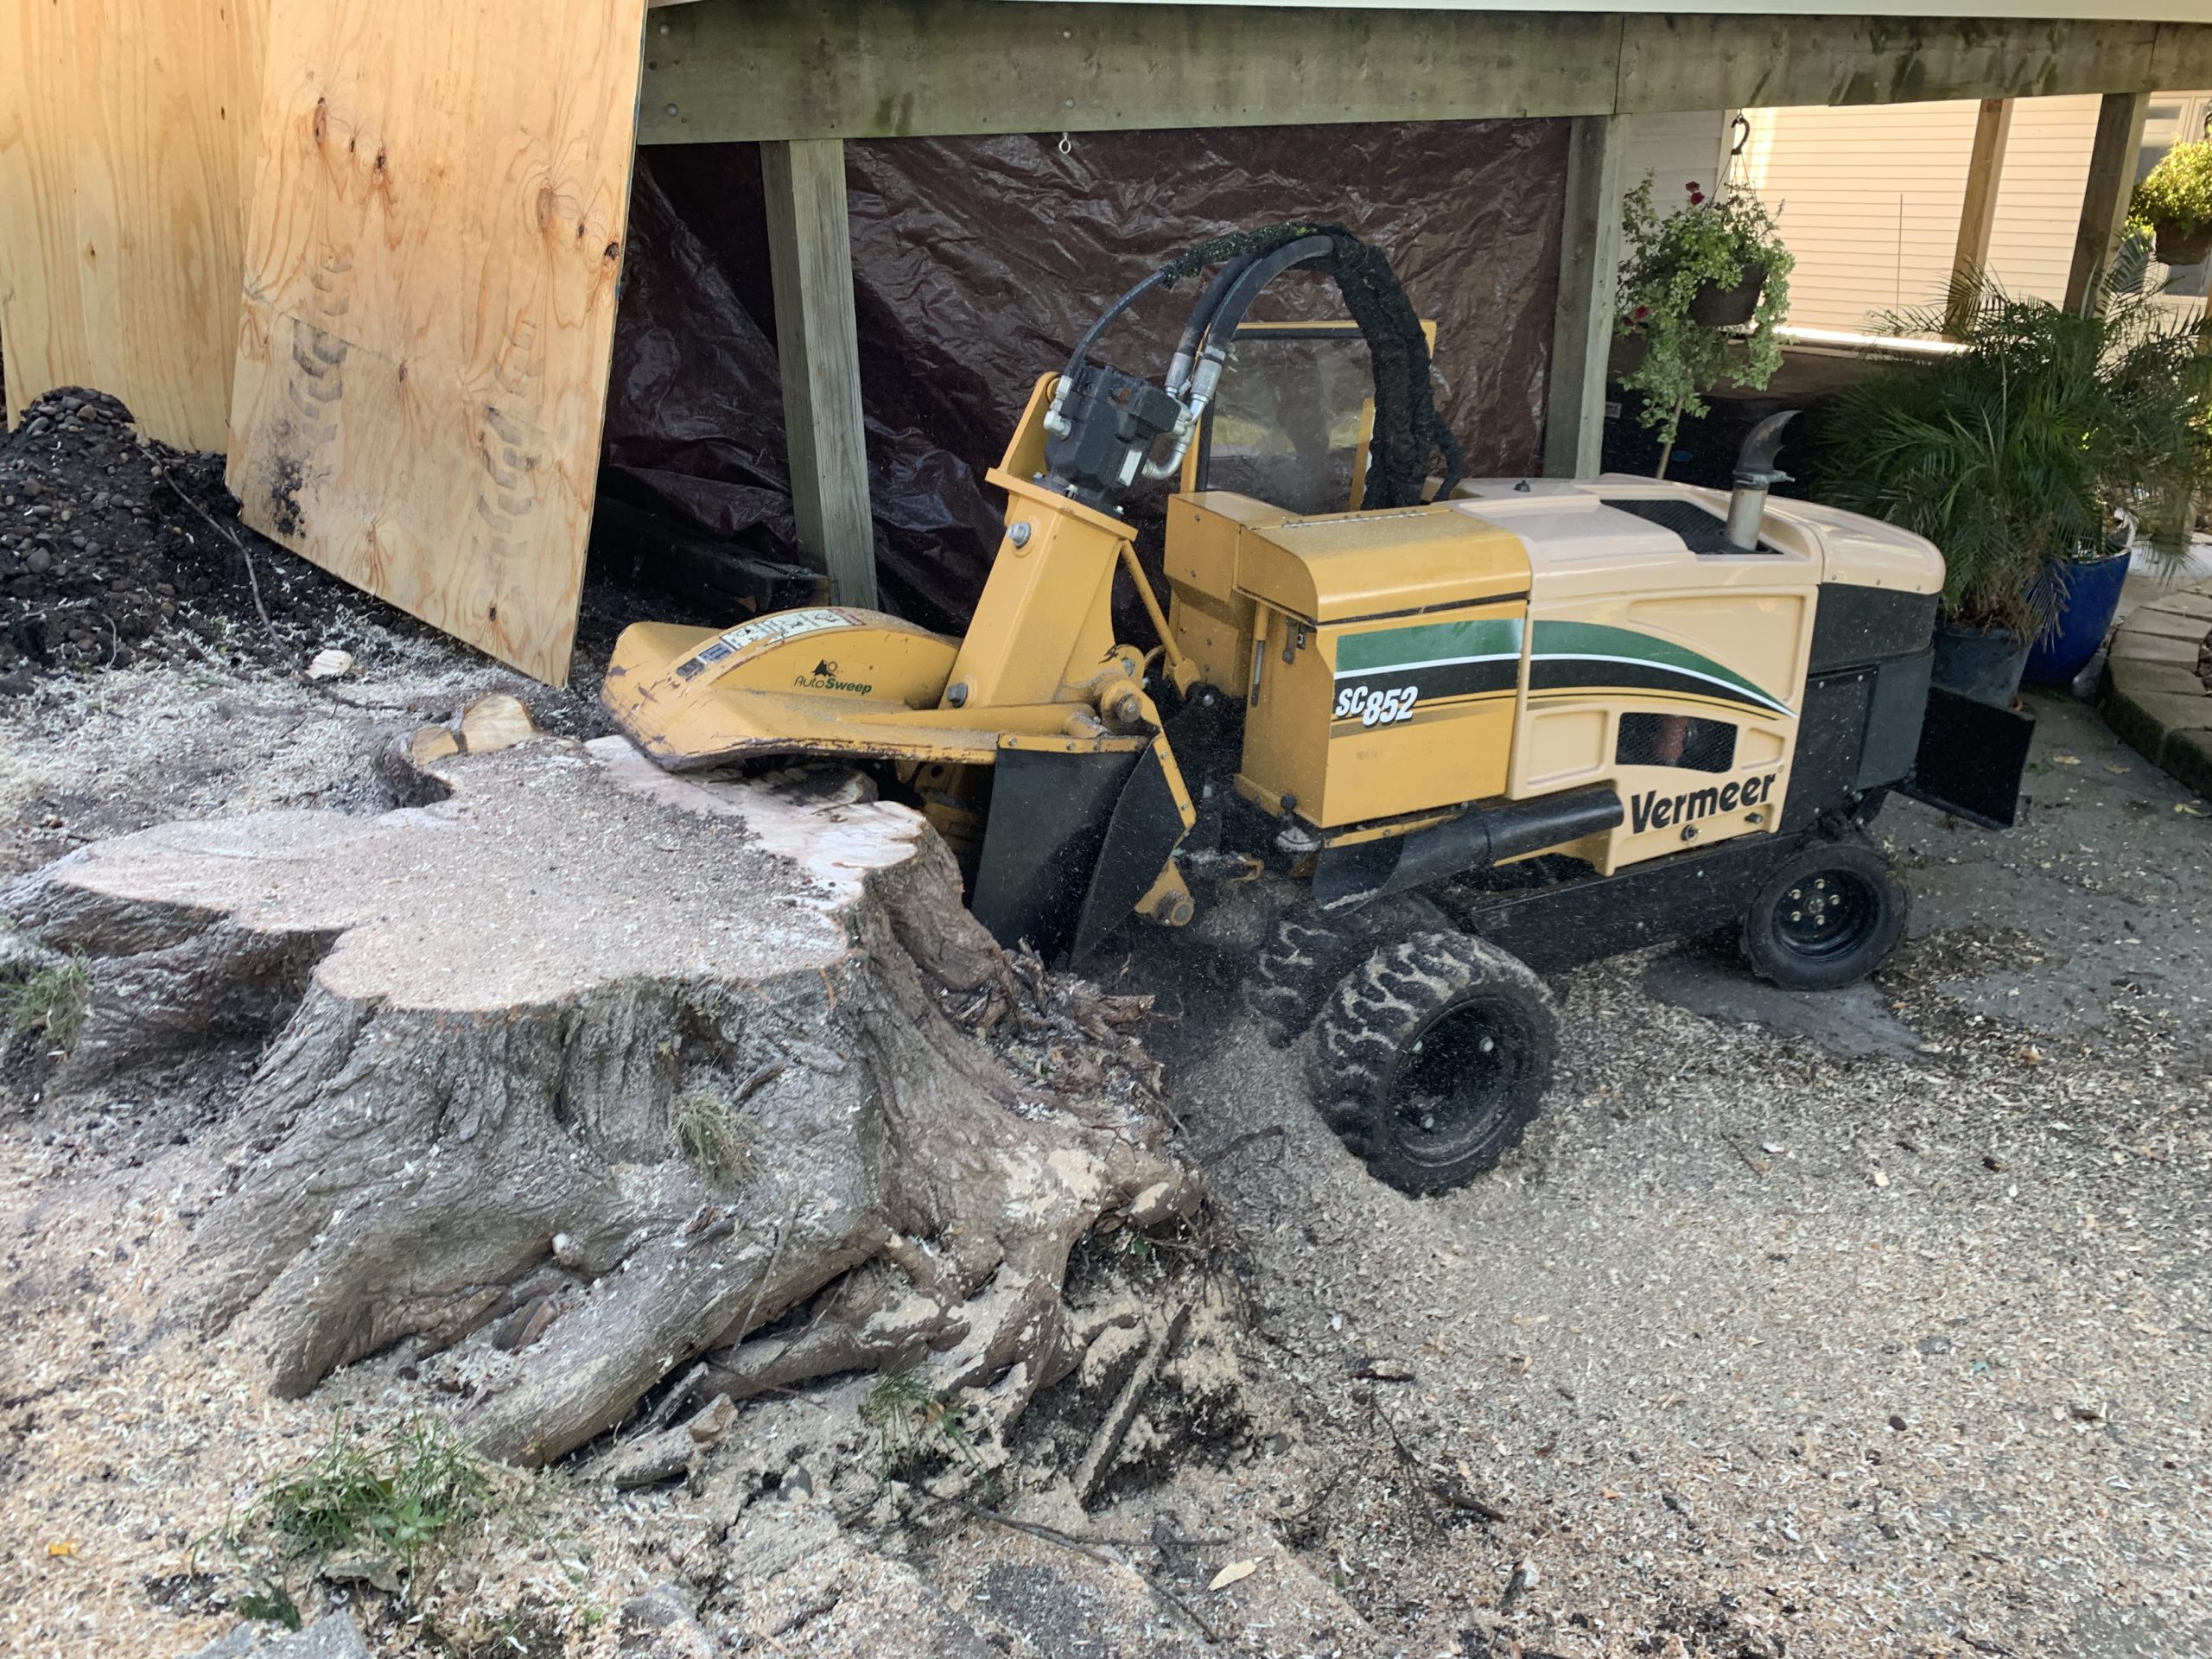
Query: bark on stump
x,y
623,1066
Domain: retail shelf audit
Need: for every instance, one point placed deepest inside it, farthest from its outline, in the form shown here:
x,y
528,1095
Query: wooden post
x,y
811,262
2104,198
1985,170
1582,320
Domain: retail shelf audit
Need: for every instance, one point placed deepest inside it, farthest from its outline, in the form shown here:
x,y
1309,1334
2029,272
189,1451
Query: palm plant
x,y
2046,432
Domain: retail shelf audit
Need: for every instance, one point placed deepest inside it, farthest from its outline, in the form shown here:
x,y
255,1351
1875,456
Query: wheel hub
x,y
1824,914
1454,1083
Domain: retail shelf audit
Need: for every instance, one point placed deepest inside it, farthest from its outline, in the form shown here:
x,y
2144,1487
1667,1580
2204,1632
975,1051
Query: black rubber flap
x,y
1344,878
1971,758
1146,828
1051,812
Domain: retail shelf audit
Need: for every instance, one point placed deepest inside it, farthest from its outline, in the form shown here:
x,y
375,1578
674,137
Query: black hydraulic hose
x,y
1407,429
1254,274
1202,313
1194,331
1090,335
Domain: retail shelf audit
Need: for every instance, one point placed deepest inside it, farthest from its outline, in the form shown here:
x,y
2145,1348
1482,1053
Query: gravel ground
x,y
1773,1338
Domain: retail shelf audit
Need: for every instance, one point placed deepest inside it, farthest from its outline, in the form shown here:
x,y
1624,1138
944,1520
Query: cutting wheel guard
x,y
1072,843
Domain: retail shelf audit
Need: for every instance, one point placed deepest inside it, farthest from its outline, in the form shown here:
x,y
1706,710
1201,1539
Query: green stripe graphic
x,y
1429,642
1572,640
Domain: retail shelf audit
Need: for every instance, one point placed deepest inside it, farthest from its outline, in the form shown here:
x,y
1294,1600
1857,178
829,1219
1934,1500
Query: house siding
x,y
1869,197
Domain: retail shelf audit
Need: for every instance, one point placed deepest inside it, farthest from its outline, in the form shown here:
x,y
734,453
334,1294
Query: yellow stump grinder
x,y
1487,727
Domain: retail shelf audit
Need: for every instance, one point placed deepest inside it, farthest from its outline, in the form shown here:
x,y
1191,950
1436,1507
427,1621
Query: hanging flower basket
x,y
1715,307
2182,244
1701,290
2174,203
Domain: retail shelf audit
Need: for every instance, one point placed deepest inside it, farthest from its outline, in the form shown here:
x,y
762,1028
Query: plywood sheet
x,y
126,146
437,231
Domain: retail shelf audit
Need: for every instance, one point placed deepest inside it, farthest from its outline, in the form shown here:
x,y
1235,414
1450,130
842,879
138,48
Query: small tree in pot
x,y
2174,203
1691,282
2026,455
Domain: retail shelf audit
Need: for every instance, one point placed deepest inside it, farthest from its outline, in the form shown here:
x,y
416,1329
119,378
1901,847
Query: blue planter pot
x,y
2089,593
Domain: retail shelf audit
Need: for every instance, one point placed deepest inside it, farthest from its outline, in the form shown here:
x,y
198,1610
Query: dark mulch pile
x,y
115,549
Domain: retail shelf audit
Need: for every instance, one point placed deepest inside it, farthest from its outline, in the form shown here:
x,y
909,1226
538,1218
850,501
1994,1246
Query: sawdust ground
x,y
1671,1341
1765,1342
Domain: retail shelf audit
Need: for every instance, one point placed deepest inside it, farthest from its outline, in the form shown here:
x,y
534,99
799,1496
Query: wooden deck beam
x,y
817,348
1992,129
727,70
1582,320
2105,195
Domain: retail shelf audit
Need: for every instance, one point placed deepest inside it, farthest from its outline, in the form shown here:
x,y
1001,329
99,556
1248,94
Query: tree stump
x,y
621,1068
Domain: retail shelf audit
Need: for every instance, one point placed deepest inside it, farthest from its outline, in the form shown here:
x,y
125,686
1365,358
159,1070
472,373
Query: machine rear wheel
x,y
1311,949
1432,1056
1827,919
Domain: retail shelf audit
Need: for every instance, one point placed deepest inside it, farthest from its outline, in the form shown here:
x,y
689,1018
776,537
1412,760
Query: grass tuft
x,y
275,1605
714,1139
913,1422
396,1493
53,1000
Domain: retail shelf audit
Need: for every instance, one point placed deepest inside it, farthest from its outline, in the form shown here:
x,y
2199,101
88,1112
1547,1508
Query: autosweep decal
x,y
783,625
1591,656
1383,676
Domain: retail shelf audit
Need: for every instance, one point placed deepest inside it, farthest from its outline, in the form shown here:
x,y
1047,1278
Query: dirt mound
x,y
115,549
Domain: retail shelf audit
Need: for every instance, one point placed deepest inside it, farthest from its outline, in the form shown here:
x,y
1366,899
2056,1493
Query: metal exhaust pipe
x,y
1344,878
1755,474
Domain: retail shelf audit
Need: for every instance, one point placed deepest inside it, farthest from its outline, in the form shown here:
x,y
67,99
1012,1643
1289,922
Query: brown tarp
x,y
976,263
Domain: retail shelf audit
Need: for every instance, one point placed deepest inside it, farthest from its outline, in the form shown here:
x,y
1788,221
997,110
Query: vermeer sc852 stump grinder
x,y
1487,727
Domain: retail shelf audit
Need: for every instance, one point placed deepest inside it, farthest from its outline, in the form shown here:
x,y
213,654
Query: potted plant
x,y
2174,203
2029,456
1701,290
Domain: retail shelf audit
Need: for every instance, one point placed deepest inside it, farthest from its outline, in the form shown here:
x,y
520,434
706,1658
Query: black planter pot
x,y
2179,247
1715,307
1984,663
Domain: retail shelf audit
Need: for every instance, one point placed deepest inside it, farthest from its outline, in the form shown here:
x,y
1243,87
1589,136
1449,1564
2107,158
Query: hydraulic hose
x,y
1055,422
1255,274
1231,293
1194,331
1090,334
